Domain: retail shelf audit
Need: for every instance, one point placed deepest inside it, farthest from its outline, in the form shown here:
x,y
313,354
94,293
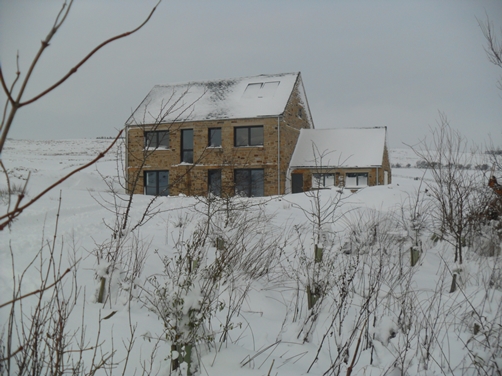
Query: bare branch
x,y
4,86
11,355
494,49
89,55
7,91
16,104
45,288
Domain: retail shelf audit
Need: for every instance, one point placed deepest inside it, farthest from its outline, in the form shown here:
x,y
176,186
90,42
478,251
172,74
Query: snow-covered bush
x,y
210,270
185,297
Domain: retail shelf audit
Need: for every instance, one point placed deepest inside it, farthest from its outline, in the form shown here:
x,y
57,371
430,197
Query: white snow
x,y
342,147
416,327
244,97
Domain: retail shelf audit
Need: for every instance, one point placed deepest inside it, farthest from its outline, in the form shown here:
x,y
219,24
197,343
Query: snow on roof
x,y
245,97
349,147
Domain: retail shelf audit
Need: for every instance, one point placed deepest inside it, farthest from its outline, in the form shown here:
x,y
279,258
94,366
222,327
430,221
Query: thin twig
x,y
36,291
89,55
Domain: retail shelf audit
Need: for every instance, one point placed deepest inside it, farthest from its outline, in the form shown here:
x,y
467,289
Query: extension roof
x,y
237,98
347,148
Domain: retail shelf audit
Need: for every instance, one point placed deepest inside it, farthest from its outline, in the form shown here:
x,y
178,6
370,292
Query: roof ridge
x,y
335,129
234,79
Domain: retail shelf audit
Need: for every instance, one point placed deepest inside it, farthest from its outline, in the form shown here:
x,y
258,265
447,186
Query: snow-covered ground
x,y
375,314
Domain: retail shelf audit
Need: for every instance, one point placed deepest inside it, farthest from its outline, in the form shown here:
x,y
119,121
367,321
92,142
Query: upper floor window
x,y
187,145
157,140
214,137
248,136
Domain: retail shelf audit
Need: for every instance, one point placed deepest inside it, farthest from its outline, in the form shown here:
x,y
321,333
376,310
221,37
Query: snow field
x,y
376,313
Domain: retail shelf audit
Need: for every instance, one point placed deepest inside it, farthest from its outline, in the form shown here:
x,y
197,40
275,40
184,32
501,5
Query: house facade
x,y
232,136
352,158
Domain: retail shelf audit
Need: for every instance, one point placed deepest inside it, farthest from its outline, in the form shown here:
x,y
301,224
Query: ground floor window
x,y
249,182
157,183
359,179
323,180
214,182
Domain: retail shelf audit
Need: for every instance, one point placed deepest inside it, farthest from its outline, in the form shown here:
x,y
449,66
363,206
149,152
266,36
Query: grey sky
x,y
363,63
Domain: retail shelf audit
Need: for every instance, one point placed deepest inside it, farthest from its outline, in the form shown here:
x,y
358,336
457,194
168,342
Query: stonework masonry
x,y
279,139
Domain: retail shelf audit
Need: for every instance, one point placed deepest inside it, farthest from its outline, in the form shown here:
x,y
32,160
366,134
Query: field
x,y
239,283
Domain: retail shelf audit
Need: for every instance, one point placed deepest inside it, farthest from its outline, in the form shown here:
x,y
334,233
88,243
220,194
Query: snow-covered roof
x,y
237,98
348,147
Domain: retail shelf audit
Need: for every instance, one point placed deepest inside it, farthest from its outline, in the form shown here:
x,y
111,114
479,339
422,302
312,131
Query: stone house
x,y
224,136
353,158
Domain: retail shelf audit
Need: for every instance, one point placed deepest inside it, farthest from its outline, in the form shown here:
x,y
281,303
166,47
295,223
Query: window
x,y
356,179
248,136
157,183
157,140
261,90
187,145
249,182
214,182
214,137
323,180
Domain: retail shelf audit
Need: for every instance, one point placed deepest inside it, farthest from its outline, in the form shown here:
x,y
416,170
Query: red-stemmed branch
x,y
17,103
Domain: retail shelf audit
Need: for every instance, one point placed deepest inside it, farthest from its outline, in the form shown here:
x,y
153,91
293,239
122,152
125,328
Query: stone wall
x,y
192,179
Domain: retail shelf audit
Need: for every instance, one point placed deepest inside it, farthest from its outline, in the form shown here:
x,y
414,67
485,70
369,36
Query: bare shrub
x,y
455,191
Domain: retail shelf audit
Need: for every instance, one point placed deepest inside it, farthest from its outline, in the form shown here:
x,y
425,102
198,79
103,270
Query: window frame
x,y
357,175
251,183
184,150
156,145
258,90
321,179
209,137
157,188
248,136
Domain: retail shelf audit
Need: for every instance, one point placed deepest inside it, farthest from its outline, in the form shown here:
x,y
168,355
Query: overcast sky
x,y
364,63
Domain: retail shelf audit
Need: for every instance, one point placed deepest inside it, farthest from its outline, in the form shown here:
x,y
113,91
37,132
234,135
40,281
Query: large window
x,y
214,137
249,182
248,136
157,183
323,180
157,140
359,179
214,182
187,145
